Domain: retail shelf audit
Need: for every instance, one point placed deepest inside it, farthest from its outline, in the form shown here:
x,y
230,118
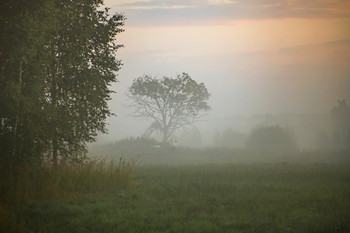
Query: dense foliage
x,y
57,60
170,102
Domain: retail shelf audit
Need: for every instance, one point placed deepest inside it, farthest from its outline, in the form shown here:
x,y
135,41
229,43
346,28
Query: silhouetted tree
x,y
273,138
57,60
25,28
82,65
340,118
170,102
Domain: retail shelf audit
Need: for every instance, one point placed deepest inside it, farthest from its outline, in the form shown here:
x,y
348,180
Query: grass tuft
x,y
28,185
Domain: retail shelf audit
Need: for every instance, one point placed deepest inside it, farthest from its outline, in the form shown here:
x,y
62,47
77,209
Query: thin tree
x,y
171,103
83,65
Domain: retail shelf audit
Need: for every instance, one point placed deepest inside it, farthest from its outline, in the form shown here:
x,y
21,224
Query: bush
x,y
131,148
271,138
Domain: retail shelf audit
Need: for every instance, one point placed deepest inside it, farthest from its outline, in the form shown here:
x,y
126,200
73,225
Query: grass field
x,y
208,198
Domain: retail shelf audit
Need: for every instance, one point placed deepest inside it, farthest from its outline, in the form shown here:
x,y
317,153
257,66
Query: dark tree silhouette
x,y
170,102
57,60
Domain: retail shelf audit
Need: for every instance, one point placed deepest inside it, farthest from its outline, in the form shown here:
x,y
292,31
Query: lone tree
x,y
170,102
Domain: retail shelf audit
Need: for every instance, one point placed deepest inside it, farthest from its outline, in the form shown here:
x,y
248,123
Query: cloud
x,y
328,60
173,4
194,12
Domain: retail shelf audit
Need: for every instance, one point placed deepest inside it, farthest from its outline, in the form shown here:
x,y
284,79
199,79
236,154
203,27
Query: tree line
x,y
57,61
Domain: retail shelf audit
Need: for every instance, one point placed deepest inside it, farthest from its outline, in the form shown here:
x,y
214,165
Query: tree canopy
x,y
57,60
171,103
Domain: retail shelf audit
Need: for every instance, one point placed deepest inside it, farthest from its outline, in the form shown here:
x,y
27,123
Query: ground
x,y
209,198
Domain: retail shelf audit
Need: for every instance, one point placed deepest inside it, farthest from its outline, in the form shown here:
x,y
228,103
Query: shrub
x,y
271,138
131,147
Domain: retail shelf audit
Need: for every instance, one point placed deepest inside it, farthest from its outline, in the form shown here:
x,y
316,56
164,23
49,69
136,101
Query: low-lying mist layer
x,y
150,152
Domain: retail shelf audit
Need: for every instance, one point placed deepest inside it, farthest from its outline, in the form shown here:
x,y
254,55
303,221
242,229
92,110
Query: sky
x,y
254,56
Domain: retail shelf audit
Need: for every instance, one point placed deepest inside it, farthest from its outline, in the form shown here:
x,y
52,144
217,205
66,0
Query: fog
x,y
260,71
222,116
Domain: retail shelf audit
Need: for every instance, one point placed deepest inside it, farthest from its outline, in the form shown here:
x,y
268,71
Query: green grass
x,y
27,186
208,198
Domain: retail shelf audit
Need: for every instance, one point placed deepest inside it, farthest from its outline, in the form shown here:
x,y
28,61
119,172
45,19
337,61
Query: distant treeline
x,y
308,131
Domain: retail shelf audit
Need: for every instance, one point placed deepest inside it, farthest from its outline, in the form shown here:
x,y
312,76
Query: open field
x,y
209,198
149,152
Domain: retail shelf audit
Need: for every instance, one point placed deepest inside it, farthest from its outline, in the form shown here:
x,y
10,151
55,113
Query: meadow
x,y
26,186
251,197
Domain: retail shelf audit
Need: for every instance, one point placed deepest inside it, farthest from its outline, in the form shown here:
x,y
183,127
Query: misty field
x,y
208,198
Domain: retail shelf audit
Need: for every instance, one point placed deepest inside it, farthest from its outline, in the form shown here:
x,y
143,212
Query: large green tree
x,y
57,60
23,35
171,103
82,66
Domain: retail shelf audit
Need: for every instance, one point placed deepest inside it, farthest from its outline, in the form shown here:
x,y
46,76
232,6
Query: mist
x,y
174,116
286,72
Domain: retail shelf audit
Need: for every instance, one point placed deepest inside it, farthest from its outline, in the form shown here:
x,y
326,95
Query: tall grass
x,y
28,185
250,198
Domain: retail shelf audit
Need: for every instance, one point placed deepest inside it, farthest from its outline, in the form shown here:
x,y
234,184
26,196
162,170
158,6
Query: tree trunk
x,y
54,150
165,136
14,151
54,128
54,113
